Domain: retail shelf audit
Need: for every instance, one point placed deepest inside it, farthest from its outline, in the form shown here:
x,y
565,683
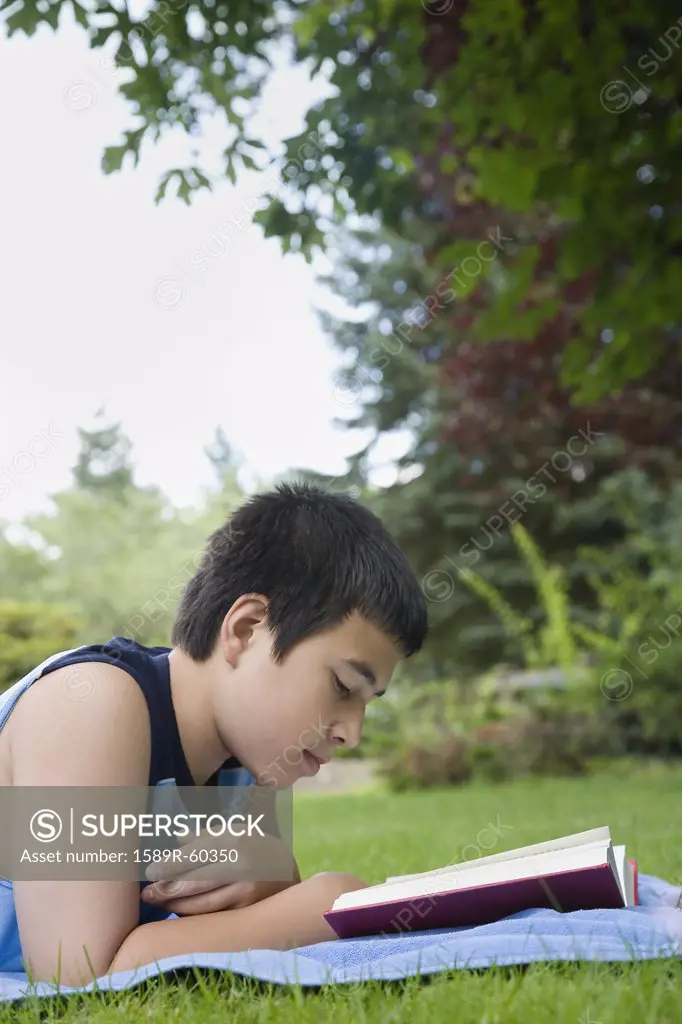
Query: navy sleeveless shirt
x,y
150,668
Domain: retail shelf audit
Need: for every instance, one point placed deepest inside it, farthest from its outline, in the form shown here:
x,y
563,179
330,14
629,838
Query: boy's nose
x,y
348,732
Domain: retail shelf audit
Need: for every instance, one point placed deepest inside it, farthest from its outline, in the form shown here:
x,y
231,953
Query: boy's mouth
x,y
312,762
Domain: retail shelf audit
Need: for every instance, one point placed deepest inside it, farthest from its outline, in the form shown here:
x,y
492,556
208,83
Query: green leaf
x,y
163,186
202,181
230,169
112,158
503,178
51,16
80,14
402,158
184,189
448,163
26,20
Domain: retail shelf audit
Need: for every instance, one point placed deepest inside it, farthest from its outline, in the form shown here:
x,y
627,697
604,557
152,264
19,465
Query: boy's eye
x,y
341,688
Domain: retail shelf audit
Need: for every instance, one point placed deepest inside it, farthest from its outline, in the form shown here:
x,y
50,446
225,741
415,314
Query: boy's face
x,y
283,721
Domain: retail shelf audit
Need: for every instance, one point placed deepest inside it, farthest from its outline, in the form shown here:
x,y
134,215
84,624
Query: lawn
x,y
374,834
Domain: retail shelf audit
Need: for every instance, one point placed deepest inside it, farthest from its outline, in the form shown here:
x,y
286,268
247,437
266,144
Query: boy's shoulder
x,y
128,644
144,663
116,648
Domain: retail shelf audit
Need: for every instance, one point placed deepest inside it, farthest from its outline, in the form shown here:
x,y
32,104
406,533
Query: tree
x,y
454,502
103,466
122,565
116,555
221,455
458,127
475,115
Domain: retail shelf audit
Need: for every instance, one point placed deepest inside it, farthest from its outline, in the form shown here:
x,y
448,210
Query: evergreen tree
x,y
221,455
104,466
453,503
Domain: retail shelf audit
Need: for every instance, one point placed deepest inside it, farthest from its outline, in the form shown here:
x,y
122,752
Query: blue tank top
x,y
149,666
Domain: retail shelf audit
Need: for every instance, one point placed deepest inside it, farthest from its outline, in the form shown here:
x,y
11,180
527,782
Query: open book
x,y
578,872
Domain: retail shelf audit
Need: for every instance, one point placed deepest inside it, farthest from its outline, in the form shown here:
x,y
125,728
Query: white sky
x,y
80,258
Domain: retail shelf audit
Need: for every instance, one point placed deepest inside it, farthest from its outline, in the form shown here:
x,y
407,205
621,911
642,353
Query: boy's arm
x,y
103,740
285,920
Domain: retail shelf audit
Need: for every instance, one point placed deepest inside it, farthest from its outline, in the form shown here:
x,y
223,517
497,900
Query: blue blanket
x,y
650,931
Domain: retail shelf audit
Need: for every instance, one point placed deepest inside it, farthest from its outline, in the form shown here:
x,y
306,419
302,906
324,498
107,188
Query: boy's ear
x,y
239,626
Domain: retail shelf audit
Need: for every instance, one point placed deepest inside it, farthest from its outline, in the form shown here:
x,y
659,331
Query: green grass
x,y
376,834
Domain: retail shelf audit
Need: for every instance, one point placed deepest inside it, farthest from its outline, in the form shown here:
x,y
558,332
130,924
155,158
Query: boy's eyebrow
x,y
363,668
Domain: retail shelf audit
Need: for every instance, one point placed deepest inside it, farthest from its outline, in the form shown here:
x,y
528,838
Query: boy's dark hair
x,y
317,556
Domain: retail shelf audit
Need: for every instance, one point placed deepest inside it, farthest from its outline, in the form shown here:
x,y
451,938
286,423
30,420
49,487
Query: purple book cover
x,y
577,889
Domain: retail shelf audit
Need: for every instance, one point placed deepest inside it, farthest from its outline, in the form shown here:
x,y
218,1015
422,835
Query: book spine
x,y
635,872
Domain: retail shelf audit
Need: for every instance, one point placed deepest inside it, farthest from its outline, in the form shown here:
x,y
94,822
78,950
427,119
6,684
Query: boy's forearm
x,y
265,889
148,942
199,933
293,917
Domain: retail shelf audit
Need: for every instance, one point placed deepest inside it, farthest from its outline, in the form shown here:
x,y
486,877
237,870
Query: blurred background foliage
x,y
499,211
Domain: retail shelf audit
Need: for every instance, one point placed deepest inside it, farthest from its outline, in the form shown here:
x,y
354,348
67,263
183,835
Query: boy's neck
x,y
191,691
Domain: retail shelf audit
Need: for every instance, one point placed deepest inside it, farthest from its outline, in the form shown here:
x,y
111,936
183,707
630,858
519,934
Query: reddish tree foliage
x,y
506,395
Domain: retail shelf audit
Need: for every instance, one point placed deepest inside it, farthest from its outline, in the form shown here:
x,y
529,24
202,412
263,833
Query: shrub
x,y
639,587
416,735
419,766
418,746
644,702
31,632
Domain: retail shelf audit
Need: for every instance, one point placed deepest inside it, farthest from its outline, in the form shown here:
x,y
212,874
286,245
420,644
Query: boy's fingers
x,y
175,889
209,875
203,903
176,866
194,870
167,870
241,860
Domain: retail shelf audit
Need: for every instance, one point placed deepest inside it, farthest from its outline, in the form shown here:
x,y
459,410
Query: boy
x,y
294,621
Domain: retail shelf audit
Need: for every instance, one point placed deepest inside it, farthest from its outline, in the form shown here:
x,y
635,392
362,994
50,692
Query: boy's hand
x,y
186,897
205,858
183,888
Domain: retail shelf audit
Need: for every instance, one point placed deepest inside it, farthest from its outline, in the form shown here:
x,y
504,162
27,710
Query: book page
x,y
538,866
626,876
593,835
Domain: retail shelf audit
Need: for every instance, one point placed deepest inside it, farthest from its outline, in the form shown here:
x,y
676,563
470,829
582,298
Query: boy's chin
x,y
273,779
287,775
